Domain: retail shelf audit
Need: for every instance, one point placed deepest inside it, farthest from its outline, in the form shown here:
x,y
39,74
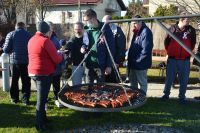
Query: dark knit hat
x,y
42,26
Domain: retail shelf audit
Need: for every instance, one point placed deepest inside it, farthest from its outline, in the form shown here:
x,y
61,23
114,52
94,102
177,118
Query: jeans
x,y
20,70
94,73
43,84
180,67
138,76
78,75
56,85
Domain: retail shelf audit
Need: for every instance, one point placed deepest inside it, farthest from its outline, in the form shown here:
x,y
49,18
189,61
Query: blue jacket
x,y
16,44
140,52
56,43
103,57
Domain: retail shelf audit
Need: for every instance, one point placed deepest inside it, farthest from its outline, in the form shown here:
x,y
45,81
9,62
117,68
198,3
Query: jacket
x,y
187,36
16,45
43,56
102,55
74,45
140,52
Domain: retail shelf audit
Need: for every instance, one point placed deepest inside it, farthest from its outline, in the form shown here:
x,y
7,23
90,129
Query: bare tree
x,y
191,6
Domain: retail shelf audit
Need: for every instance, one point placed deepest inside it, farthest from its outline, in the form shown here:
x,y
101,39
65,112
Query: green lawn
x,y
20,119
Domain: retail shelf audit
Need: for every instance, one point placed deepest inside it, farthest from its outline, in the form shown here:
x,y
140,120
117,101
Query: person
x,y
195,62
178,61
2,40
140,55
43,58
58,72
120,49
98,62
77,47
16,44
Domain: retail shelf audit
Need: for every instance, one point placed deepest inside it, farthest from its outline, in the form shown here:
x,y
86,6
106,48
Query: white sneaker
x,y
58,104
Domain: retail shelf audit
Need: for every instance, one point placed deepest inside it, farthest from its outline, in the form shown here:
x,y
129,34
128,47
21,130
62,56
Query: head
x,y
20,25
78,29
198,24
51,26
106,18
183,21
43,28
90,18
136,25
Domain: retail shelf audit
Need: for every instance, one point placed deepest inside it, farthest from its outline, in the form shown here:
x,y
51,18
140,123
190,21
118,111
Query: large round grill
x,y
101,97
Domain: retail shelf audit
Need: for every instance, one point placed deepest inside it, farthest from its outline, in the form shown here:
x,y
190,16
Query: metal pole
x,y
153,18
178,40
79,10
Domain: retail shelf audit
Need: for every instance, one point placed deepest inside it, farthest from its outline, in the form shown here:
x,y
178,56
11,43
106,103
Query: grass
x,y
21,119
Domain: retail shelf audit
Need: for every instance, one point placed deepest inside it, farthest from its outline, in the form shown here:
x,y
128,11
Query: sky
x,y
126,4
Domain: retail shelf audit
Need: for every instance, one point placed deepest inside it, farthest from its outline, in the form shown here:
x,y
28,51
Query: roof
x,y
75,2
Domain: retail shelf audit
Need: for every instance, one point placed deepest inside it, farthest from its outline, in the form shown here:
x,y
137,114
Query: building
x,y
70,11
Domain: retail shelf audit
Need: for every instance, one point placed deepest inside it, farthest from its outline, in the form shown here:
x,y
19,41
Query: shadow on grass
x,y
165,113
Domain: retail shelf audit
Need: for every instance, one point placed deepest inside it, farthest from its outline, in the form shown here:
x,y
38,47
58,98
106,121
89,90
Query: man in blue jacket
x,y
140,54
16,45
98,63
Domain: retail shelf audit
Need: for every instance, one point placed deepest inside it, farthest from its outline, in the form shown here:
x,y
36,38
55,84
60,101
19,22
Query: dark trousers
x,y
94,74
112,78
20,70
56,85
43,84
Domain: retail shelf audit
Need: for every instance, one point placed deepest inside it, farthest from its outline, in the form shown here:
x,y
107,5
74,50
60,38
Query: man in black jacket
x,y
120,48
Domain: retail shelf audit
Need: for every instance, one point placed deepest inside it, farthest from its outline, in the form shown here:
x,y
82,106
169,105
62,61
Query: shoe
x,y
41,127
182,101
26,103
164,97
13,101
58,104
197,98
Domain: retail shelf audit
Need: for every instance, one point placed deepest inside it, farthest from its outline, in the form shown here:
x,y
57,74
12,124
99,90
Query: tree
x,y
136,8
191,6
166,11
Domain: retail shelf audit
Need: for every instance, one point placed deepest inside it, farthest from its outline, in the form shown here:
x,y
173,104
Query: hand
x,y
108,70
83,50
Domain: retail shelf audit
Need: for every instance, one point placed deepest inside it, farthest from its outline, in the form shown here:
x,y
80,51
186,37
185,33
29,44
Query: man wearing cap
x,y
43,58
140,54
178,61
16,45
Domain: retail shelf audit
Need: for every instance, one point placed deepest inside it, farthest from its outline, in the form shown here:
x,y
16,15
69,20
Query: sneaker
x,y
182,101
58,104
13,101
164,97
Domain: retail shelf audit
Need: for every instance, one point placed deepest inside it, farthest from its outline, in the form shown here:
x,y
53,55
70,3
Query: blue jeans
x,y
180,67
78,75
138,76
43,84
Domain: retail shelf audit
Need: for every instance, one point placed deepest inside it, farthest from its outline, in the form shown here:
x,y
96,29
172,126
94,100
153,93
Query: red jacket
x,y
187,36
42,55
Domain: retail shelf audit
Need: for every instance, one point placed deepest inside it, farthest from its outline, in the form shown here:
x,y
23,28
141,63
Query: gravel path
x,y
125,128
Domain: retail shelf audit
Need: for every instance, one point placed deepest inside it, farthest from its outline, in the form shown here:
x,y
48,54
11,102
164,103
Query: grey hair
x,y
80,24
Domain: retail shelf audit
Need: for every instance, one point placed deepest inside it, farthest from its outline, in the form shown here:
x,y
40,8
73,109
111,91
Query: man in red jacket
x,y
178,61
43,58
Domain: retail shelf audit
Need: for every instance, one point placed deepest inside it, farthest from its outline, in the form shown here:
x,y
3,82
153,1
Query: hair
x,y
90,13
20,25
51,25
137,16
80,24
183,13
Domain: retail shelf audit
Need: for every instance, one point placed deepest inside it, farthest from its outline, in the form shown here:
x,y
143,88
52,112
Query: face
x,y
136,26
78,31
88,21
185,21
